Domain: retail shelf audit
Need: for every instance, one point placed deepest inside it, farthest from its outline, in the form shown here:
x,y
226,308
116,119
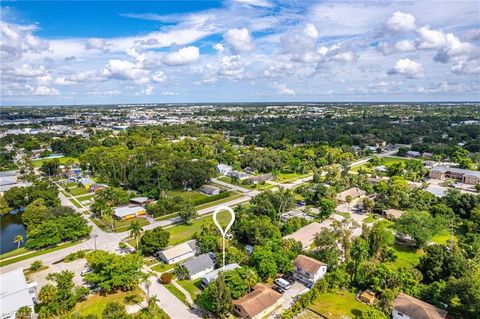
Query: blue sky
x,y
238,50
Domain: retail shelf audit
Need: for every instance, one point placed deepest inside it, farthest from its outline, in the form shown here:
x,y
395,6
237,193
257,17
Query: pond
x,y
11,226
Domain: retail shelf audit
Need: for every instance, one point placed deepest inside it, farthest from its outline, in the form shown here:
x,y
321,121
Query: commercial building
x,y
16,293
463,175
128,212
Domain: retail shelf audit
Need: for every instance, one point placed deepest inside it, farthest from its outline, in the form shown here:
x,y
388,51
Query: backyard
x,y
406,256
338,305
95,304
63,160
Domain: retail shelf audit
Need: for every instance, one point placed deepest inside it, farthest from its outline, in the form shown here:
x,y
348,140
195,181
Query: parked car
x,y
278,289
85,271
289,277
282,283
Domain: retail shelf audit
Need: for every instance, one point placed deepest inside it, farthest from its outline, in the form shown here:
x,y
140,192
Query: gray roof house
x,y
199,266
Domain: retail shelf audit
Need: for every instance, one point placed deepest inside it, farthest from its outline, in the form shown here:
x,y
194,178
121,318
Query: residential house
x,y
306,235
259,303
407,307
308,270
463,175
211,276
223,169
413,154
259,178
240,175
198,266
209,190
178,252
355,194
16,293
86,183
393,214
142,201
128,212
95,187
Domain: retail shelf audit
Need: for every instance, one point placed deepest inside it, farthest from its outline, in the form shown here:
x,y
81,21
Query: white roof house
x,y
122,212
223,168
15,293
179,252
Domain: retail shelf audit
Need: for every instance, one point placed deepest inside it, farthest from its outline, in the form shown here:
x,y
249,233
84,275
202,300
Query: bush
x,y
166,278
75,255
36,265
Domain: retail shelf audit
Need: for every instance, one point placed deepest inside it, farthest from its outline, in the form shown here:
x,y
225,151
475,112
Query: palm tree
x,y
250,279
145,279
348,199
18,240
135,231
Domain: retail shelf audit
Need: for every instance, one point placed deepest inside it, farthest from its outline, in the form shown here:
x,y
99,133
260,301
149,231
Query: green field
x,y
443,238
77,191
63,160
290,177
161,267
15,252
338,305
220,201
386,160
181,233
406,256
265,186
95,304
85,198
192,195
123,225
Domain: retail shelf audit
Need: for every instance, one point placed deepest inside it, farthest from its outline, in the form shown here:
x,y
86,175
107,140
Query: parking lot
x,y
75,266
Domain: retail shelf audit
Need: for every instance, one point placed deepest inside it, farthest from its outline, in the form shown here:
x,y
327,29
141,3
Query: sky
x,y
90,52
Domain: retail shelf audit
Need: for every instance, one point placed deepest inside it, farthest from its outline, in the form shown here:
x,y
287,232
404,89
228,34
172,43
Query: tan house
x,y
407,307
355,193
259,303
393,214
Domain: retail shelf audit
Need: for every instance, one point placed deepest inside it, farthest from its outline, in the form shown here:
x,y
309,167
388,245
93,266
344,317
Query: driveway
x,y
169,303
289,297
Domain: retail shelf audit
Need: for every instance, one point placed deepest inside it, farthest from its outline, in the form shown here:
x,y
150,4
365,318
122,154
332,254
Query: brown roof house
x,y
407,307
308,270
354,192
259,303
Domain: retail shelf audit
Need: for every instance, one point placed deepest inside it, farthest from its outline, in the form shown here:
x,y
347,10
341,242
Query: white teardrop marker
x,y
220,228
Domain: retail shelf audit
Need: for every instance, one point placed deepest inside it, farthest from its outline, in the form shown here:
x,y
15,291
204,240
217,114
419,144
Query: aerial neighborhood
x,y
118,223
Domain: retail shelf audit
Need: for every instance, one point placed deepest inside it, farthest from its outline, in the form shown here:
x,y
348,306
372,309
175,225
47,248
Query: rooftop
x,y
416,308
258,300
308,264
198,264
180,249
127,210
15,291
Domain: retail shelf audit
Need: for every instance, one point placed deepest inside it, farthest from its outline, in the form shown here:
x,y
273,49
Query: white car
x,y
282,283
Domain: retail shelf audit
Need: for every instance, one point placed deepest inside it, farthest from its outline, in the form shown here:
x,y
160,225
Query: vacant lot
x,y
338,305
95,304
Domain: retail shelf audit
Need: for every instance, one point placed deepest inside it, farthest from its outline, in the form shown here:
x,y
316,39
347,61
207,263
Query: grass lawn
x,y
63,160
35,254
443,237
85,198
161,267
122,225
220,201
95,304
177,293
70,184
308,314
15,252
78,191
193,287
289,177
338,305
228,180
193,195
406,256
75,202
386,161
181,233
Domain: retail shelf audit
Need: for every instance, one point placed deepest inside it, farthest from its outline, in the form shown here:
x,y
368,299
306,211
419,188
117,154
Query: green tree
x,y
263,259
421,226
326,207
327,248
4,208
24,312
135,231
216,298
18,240
154,240
187,212
115,310
240,281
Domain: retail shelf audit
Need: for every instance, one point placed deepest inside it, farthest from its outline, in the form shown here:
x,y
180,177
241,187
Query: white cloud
x,y
408,68
159,76
125,70
239,40
42,90
148,90
169,93
405,45
231,66
311,31
257,3
401,22
18,40
182,56
96,44
430,39
467,67
74,78
283,89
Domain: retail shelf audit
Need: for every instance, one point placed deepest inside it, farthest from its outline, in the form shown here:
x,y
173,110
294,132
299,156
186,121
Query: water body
x,y
11,226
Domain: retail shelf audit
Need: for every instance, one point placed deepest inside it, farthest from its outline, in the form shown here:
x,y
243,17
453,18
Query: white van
x,y
282,283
